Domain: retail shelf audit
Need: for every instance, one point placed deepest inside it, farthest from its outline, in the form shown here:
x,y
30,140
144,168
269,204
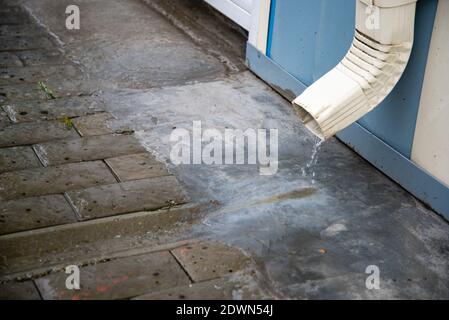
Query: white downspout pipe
x,y
367,74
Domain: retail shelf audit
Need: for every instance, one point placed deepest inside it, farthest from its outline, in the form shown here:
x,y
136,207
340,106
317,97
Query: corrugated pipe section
x,y
379,53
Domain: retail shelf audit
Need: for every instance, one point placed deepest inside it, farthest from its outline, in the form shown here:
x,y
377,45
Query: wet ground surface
x,y
136,72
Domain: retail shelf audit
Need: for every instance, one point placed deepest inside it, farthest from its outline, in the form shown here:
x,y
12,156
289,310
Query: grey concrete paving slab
x,y
35,132
217,289
20,30
16,158
14,16
40,57
4,120
33,74
8,59
209,29
34,213
132,196
38,110
118,279
130,62
34,249
15,290
87,148
58,179
137,166
227,288
61,87
94,125
210,259
8,43
9,8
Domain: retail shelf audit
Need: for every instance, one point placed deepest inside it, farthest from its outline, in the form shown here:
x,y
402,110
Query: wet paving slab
x,y
8,59
15,290
55,109
24,43
87,149
94,125
210,260
128,63
32,133
52,180
34,213
29,253
25,30
34,74
227,288
61,88
40,57
118,279
16,158
125,197
136,167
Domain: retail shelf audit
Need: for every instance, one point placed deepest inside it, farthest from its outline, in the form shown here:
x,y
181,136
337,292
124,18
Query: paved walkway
x,y
85,177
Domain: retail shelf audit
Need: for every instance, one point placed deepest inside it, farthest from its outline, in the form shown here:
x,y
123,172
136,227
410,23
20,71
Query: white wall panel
x,y
431,141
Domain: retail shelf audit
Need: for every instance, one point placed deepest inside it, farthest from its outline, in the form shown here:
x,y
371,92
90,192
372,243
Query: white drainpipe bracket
x,y
367,74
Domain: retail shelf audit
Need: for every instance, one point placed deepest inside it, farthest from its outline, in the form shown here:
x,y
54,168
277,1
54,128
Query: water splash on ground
x,y
308,169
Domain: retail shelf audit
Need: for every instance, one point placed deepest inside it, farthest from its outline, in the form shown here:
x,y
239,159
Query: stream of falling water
x,y
313,160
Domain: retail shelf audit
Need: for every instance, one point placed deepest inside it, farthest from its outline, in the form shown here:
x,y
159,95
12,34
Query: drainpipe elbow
x,y
367,74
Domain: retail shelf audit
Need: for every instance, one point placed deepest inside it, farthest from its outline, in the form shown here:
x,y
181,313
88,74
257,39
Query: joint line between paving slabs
x,y
37,289
112,171
75,128
180,265
41,161
75,212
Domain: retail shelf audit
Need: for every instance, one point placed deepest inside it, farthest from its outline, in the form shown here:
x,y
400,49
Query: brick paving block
x,y
8,43
94,125
118,279
33,74
58,179
15,290
137,166
87,148
33,213
16,158
38,110
35,132
132,196
209,260
8,59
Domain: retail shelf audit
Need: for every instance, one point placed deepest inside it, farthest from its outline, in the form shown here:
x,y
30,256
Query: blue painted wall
x,y
308,38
